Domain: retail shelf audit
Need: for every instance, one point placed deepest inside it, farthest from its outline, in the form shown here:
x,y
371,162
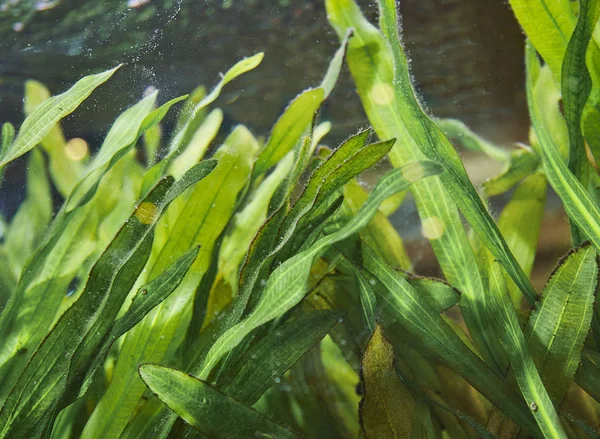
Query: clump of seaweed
x,y
262,291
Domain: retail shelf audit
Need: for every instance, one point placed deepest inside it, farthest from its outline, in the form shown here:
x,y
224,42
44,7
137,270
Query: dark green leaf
x,y
440,295
436,147
427,328
36,398
264,363
368,301
287,284
298,116
380,71
560,322
588,374
198,217
504,321
380,234
88,359
204,407
580,207
576,85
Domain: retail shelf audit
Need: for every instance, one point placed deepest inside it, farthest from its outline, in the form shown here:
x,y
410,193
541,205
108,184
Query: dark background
x,y
467,60
466,57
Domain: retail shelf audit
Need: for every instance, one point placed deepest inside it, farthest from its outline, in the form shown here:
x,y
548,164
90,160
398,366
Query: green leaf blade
x,y
279,349
380,71
241,67
122,135
579,205
520,222
41,121
38,394
197,218
386,409
286,286
560,323
204,407
576,85
427,328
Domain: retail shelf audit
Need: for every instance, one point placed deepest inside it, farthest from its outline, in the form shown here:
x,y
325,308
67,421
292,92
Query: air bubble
x,y
136,3
44,5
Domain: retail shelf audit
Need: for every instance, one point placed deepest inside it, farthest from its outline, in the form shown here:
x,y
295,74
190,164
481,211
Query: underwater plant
x,y
257,289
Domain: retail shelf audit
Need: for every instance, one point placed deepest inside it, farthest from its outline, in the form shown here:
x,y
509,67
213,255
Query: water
x,y
128,294
173,46
464,70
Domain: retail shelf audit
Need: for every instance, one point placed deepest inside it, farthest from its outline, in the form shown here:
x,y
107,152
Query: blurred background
x,y
467,60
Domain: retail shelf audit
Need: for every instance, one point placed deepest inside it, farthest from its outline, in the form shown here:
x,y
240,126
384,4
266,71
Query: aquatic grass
x,y
171,294
42,120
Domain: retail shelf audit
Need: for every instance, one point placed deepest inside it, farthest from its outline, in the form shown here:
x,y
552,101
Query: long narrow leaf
x,y
287,285
124,132
88,359
197,218
380,72
560,323
380,233
454,128
588,374
238,69
576,85
436,146
41,121
299,116
66,168
32,218
263,364
34,399
427,327
520,222
580,207
522,163
504,320
204,407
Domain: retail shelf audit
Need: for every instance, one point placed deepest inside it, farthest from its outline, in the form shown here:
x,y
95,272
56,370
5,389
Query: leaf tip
x,y
145,370
257,58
